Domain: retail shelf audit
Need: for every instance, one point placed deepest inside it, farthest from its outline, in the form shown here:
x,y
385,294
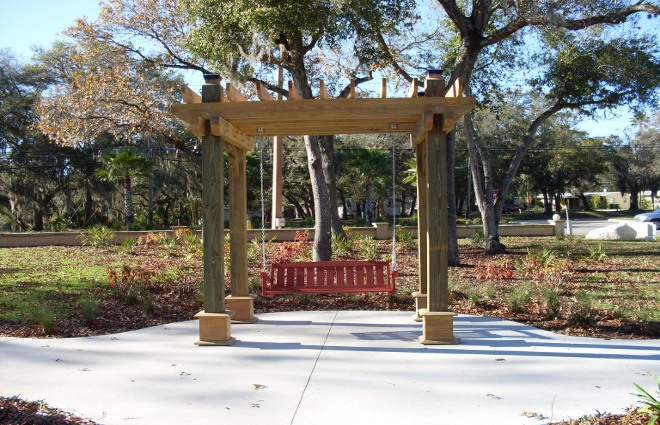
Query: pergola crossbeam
x,y
419,133
231,134
326,116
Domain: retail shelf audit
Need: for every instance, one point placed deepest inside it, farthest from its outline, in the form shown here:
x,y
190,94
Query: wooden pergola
x,y
227,122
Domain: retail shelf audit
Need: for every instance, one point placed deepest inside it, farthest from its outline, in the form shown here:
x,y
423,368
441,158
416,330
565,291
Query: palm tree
x,y
369,165
121,167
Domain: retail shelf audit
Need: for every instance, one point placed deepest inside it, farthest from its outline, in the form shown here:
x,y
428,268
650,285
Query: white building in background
x,y
615,200
654,201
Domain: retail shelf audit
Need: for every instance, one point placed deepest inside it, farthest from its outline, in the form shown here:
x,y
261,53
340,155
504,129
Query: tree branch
x,y
554,20
456,15
347,90
390,57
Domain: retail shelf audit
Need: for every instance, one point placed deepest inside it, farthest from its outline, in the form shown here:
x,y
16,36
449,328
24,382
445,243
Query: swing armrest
x,y
266,282
392,277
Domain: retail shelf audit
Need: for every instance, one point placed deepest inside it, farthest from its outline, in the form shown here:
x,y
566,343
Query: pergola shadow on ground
x,y
226,121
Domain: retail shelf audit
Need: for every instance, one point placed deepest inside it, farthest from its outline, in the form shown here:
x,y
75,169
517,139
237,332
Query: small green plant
x,y
61,223
97,237
341,246
517,297
129,243
46,318
581,310
405,238
596,252
477,238
89,307
552,301
367,246
193,244
148,303
474,296
651,402
169,242
254,285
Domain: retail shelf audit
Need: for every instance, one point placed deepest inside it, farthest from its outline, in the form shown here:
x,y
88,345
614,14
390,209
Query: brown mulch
x,y
15,411
631,417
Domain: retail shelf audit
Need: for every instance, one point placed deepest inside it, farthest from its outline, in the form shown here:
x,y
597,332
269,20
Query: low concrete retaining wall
x,y
379,231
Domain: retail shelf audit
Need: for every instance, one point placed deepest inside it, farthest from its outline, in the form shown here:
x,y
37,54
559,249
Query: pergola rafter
x,y
230,118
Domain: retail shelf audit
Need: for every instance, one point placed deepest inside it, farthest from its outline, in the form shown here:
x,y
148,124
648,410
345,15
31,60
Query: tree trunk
x,y
368,203
413,204
634,199
547,205
483,191
328,154
557,197
128,203
297,206
585,202
89,206
37,211
322,248
317,162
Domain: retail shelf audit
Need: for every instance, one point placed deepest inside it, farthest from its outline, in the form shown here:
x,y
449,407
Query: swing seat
x,y
329,277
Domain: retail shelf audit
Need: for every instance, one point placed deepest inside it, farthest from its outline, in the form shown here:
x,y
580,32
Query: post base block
x,y
420,305
438,328
215,328
243,308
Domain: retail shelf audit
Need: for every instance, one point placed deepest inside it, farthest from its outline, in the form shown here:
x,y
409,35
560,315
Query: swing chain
x,y
263,208
393,208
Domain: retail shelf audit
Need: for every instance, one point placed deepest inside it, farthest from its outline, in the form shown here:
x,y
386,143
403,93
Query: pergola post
x,y
214,320
422,225
240,302
438,321
277,213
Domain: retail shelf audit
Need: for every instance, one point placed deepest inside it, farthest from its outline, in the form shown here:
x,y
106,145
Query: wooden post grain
x,y
422,228
213,206
237,221
438,291
437,219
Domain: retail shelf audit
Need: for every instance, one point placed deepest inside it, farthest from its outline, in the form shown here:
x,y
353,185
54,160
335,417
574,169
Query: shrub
x,y
193,244
46,318
596,252
477,238
367,246
551,300
132,281
517,297
495,270
61,223
89,308
129,243
405,238
97,237
341,246
581,310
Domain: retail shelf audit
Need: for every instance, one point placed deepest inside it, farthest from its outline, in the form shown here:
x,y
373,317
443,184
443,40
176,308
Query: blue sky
x,y
28,23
